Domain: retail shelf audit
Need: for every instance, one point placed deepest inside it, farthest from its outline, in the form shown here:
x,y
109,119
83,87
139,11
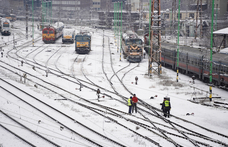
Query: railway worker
x,y
163,105
193,79
136,80
98,93
80,88
129,102
166,106
22,62
25,76
134,103
47,71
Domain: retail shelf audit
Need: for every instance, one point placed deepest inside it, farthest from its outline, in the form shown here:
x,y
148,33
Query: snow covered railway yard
x,y
64,108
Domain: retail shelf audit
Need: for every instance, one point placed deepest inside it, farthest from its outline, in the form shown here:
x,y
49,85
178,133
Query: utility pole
x,y
115,26
32,23
121,30
178,34
129,14
201,23
107,13
211,50
91,6
26,21
51,11
173,17
197,11
155,40
140,14
118,27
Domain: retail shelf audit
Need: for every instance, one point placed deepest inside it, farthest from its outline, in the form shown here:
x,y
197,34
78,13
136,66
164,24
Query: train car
x,y
132,47
195,61
68,35
83,43
5,26
51,33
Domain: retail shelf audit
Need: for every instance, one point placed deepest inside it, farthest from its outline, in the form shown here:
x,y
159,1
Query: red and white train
x,y
51,33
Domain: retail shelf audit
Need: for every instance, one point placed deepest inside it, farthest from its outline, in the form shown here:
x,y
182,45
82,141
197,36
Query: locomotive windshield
x,y
134,41
51,32
45,32
79,38
6,25
82,38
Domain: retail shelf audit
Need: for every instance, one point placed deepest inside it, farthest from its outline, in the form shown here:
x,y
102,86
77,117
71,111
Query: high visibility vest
x,y
166,103
129,102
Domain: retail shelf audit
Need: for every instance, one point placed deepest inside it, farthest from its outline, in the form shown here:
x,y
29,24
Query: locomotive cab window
x,y
51,32
139,42
79,38
45,32
86,38
6,25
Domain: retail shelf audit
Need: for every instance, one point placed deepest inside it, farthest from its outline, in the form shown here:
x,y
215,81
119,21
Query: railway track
x,y
60,121
145,108
154,110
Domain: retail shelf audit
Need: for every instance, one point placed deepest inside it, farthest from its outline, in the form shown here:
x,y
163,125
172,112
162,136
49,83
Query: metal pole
x,y
149,63
48,18
45,9
201,24
197,11
178,35
121,30
26,21
51,11
117,26
32,23
216,25
211,50
114,21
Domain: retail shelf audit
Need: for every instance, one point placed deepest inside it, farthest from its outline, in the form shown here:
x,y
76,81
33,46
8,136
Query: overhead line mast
x,y
155,39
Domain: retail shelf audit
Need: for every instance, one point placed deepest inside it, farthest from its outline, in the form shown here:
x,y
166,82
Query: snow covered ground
x,y
157,87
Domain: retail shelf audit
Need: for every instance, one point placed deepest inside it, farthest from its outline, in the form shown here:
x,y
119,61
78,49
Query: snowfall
x,y
151,89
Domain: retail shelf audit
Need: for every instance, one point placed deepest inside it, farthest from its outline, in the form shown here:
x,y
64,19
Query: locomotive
x,y
5,26
195,62
68,35
83,43
132,47
51,33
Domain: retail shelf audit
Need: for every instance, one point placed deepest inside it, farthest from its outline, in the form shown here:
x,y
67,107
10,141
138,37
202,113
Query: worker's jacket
x,y
167,104
129,102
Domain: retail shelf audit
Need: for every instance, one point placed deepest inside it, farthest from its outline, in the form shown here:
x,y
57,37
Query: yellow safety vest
x,y
129,102
166,103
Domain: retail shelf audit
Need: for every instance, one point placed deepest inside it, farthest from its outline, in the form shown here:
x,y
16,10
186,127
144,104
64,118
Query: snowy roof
x,y
221,32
